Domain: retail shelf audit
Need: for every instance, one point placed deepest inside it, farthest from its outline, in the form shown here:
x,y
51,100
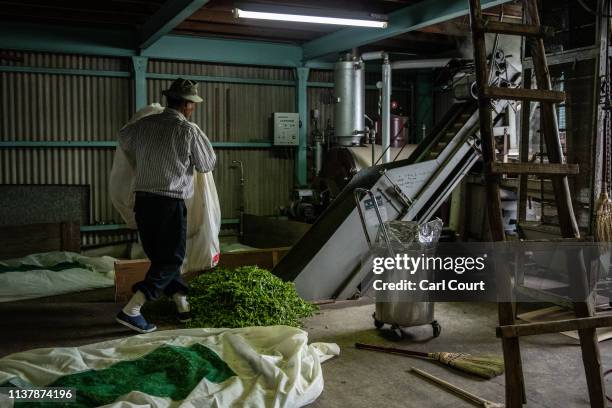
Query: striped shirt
x,y
164,150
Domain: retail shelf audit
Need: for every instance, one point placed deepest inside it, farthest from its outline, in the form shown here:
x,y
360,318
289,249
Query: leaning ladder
x,y
557,171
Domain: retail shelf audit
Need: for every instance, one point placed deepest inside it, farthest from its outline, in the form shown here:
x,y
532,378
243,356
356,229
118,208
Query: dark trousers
x,y
162,226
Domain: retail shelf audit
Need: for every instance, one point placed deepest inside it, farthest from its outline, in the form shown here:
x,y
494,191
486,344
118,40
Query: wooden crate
x,y
127,273
264,258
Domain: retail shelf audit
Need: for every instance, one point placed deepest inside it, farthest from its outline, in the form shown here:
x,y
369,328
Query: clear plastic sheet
x,y
405,234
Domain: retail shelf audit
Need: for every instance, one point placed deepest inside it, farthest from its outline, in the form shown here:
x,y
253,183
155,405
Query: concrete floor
x,y
358,378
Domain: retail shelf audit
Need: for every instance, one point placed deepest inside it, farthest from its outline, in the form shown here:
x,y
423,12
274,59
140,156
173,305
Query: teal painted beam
x,y
316,64
103,227
61,71
242,145
170,15
69,40
413,17
225,221
315,84
12,144
116,227
301,159
149,75
225,80
139,65
178,47
124,43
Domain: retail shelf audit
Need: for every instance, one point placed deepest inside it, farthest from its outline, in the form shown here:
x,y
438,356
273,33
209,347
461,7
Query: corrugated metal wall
x,y
64,166
46,107
240,113
51,107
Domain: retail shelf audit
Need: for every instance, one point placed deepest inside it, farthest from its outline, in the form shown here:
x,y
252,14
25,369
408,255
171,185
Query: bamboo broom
x,y
482,366
603,216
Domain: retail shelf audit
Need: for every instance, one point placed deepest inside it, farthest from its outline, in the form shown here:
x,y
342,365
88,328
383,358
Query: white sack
x,y
203,210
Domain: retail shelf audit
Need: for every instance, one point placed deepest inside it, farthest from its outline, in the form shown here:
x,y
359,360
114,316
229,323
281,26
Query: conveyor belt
x,y
326,262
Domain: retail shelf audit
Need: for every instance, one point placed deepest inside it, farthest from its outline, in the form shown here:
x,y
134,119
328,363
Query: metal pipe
x,y
422,63
238,164
374,55
386,110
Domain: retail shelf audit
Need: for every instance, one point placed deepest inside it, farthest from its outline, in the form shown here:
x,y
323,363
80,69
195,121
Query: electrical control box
x,y
286,129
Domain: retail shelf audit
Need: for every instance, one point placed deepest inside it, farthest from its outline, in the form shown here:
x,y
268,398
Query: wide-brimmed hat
x,y
183,89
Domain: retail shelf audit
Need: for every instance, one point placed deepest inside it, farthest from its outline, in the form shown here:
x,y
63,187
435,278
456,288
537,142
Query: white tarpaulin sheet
x,y
19,281
263,367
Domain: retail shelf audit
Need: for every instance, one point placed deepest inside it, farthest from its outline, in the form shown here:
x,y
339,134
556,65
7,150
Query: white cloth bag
x,y
203,210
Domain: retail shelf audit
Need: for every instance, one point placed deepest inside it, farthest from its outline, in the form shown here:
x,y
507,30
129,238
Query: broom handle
x,y
392,350
459,391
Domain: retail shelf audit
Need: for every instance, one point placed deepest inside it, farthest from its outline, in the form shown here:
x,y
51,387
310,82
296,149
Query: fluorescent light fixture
x,y
299,18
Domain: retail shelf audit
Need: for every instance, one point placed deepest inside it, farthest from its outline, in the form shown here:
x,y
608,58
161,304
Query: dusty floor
x,y
552,363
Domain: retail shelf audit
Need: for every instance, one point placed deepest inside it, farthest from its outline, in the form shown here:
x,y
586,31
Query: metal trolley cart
x,y
396,235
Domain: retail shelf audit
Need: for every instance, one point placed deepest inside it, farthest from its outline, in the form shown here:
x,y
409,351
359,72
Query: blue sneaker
x,y
137,323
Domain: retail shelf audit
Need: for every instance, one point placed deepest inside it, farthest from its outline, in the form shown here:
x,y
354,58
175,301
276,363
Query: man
x,y
164,150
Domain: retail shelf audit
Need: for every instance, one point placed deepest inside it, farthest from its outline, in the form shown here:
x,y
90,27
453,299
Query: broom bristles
x,y
603,219
482,366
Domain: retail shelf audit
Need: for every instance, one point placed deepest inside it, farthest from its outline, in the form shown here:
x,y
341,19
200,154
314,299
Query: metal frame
x,y
96,144
115,227
170,15
301,155
407,19
152,41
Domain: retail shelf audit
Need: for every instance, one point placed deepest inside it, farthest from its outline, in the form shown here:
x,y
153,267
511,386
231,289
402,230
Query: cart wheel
x,y
377,323
398,332
436,328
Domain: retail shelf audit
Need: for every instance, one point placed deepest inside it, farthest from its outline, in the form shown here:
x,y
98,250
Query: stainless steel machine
x,y
397,237
327,262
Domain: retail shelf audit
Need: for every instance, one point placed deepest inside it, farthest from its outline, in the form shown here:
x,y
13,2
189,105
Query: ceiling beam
x,y
170,15
225,51
121,43
414,17
66,40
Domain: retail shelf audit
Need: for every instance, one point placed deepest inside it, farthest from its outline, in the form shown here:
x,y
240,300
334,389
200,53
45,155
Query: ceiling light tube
x,y
298,18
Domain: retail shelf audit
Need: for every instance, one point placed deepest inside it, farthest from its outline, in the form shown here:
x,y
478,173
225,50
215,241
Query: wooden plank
x,y
565,209
515,393
521,94
550,130
499,27
71,236
524,150
531,329
537,169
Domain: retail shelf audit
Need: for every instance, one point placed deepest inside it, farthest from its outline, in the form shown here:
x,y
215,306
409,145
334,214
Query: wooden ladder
x,y
557,171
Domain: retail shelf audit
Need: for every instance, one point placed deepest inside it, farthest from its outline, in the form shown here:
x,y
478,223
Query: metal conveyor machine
x,y
327,262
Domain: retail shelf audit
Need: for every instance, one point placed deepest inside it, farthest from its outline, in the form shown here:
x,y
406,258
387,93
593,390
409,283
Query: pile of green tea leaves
x,y
245,296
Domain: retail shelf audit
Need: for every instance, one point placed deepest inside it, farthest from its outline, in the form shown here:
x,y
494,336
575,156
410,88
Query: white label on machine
x,y
370,211
286,129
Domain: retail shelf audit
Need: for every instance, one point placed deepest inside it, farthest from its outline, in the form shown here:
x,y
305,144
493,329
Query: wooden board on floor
x,y
558,313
